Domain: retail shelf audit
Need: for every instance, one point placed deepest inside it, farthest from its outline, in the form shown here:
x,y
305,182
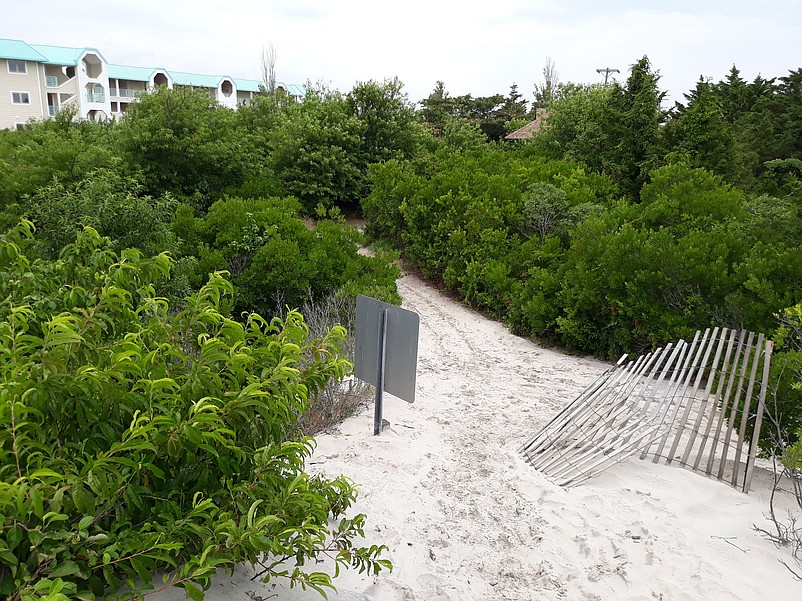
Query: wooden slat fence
x,y
697,404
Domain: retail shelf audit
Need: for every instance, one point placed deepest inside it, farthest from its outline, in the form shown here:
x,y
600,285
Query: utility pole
x,y
607,71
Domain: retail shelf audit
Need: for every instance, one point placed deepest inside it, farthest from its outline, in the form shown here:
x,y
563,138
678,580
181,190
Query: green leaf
x,y
8,558
261,543
84,500
43,473
252,511
85,521
52,516
193,592
36,502
140,568
66,568
14,536
155,470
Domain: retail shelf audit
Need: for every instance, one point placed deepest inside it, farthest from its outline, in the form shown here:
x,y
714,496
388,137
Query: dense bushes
x,y
276,259
134,438
541,244
467,217
605,235
111,203
546,247
57,150
140,434
181,141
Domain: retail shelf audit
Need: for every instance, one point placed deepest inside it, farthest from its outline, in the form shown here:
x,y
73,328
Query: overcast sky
x,y
475,47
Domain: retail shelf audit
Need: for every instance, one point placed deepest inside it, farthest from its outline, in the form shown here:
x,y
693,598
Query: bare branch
x,y
544,93
269,68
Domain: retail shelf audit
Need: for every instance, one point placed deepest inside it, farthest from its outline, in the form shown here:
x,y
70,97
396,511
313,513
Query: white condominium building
x,y
36,81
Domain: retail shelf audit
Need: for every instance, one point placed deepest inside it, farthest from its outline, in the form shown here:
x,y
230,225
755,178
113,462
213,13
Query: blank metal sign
x,y
401,347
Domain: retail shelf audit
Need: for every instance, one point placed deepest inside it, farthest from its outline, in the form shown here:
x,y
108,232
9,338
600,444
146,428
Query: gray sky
x,y
475,47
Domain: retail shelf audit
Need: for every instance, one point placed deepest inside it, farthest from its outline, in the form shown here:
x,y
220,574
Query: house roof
x,y
59,55
17,50
254,85
247,85
196,79
530,129
292,89
41,53
62,55
133,73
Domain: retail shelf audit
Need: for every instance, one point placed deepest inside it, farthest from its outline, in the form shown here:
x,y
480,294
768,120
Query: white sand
x,y
466,518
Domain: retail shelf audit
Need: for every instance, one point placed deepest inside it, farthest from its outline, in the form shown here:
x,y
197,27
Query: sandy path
x,y
465,518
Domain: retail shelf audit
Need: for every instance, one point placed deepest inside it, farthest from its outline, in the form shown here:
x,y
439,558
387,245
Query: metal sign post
x,y
382,346
386,351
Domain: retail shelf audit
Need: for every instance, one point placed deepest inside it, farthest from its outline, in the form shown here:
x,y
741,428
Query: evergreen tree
x,y
702,131
635,116
437,108
735,96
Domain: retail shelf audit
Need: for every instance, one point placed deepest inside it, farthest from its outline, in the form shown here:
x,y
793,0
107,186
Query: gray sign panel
x,y
401,347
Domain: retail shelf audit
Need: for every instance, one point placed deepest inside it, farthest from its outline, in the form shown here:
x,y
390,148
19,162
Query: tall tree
x,y
316,151
635,116
184,142
437,108
702,130
735,95
578,125
545,92
269,69
486,112
514,107
388,117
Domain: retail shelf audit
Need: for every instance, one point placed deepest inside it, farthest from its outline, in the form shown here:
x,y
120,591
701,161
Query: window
x,y
20,98
17,67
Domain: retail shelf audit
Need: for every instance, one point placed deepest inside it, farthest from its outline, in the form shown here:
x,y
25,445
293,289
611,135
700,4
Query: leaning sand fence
x,y
697,404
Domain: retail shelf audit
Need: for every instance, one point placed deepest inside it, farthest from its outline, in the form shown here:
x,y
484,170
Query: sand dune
x,y
466,518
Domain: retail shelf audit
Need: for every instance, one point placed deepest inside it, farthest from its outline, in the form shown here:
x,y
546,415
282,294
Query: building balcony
x,y
51,81
127,93
95,97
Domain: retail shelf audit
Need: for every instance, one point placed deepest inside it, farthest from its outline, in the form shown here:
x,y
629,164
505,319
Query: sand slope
x,y
466,518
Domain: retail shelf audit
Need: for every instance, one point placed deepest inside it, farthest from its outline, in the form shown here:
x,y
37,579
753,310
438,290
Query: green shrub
x,y
276,259
135,439
182,141
785,401
112,204
52,151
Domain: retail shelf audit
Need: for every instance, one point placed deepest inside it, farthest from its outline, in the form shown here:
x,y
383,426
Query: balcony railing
x,y
51,81
95,97
52,110
126,93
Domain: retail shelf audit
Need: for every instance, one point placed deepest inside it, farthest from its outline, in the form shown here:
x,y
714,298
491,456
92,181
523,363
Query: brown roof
x,y
531,128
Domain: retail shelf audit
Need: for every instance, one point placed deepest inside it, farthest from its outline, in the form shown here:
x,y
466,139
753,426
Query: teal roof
x,y
133,73
293,89
247,85
17,50
196,79
62,55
